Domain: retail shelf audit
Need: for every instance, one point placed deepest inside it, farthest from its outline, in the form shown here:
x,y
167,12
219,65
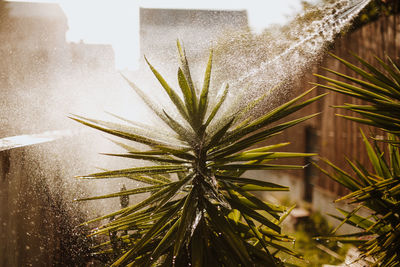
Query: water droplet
x,y
196,222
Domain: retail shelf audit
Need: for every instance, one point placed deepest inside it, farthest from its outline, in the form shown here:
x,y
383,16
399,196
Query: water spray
x,y
296,58
330,27
12,142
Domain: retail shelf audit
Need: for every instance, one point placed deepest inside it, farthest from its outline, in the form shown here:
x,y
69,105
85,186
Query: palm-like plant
x,y
200,211
375,187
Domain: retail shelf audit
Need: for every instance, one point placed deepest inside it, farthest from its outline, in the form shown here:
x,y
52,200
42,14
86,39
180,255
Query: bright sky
x,y
116,22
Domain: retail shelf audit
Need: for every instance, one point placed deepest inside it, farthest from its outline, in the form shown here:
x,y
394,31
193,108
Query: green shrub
x,y
374,188
200,211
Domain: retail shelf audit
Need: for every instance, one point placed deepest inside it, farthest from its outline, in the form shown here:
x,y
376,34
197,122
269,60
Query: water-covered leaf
x,y
247,182
186,221
203,101
224,227
171,93
257,167
139,190
244,209
187,94
186,71
255,138
160,224
166,243
218,135
217,105
124,134
148,158
139,170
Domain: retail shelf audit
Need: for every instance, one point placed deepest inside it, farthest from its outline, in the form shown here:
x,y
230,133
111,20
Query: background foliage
x,y
374,188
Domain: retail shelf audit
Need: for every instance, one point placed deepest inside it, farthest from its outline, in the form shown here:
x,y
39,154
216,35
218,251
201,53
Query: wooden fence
x,y
333,137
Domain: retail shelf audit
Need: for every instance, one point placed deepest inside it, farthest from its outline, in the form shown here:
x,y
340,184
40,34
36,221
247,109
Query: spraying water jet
x,y
305,41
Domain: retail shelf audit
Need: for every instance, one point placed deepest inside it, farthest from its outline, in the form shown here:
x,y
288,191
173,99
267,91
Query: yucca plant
x,y
200,211
374,189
